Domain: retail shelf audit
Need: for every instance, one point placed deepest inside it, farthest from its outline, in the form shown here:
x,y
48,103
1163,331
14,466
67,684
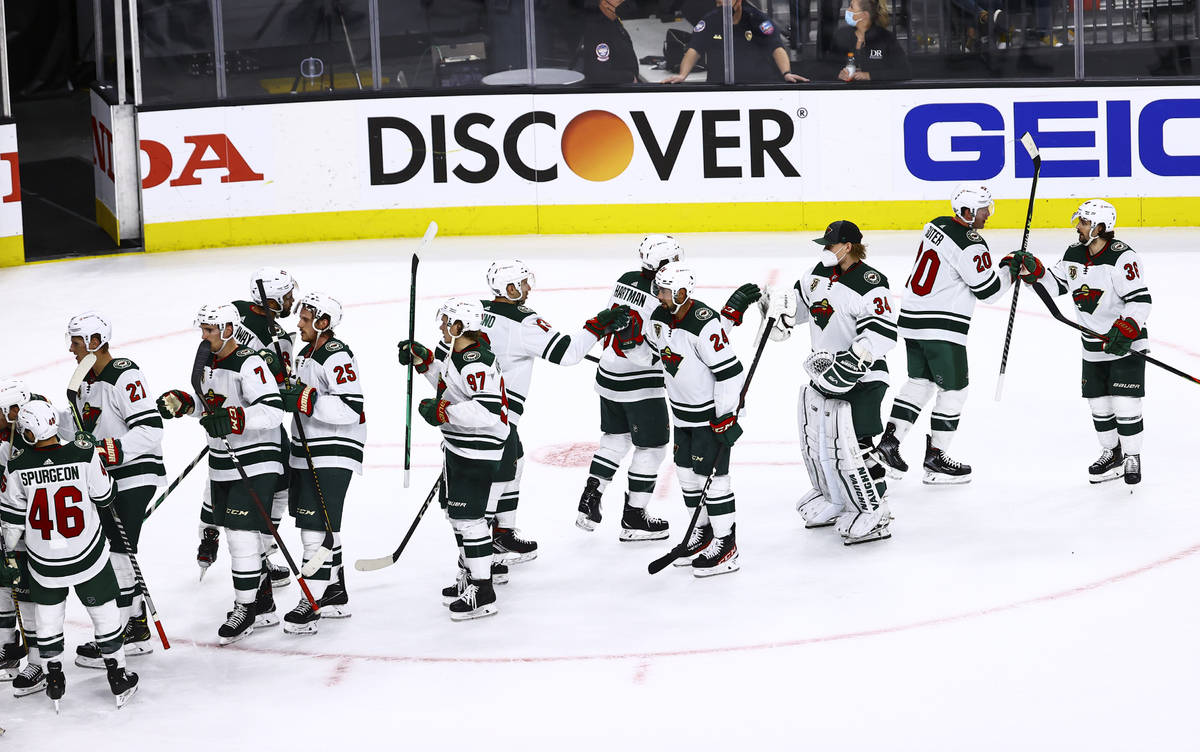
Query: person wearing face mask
x,y
953,270
852,323
877,54
759,55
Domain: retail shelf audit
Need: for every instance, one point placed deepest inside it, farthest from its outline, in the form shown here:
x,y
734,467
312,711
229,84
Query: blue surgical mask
x,y
850,18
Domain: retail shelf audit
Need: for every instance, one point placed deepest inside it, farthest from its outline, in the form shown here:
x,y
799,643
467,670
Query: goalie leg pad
x,y
822,509
643,474
613,448
908,403
476,546
1129,423
866,516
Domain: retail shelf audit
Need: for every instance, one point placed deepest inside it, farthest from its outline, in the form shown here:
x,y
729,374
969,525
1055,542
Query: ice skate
x,y
511,547
719,557
301,620
31,679
238,625
589,506
701,536
264,606
206,554
864,527
450,593
888,452
1133,469
941,470
499,573
10,659
335,603
280,576
636,525
123,684
817,511
1110,466
56,682
477,600
137,637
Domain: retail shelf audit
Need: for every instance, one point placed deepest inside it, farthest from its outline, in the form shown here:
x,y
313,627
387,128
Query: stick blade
x,y
316,562
1030,146
81,372
662,562
370,565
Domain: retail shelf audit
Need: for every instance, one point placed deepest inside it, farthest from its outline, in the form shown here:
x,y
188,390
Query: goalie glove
x,y
1121,336
838,373
741,299
175,404
298,398
411,351
224,421
434,411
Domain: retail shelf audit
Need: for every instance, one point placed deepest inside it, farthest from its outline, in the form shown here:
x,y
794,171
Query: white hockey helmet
x,y
13,393
1098,212
89,324
468,311
656,250
278,283
501,274
674,277
322,305
219,315
973,196
39,419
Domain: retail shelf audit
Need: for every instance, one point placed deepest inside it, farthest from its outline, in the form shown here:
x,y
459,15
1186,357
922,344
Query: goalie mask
x,y
656,250
467,311
85,326
674,277
513,272
278,283
320,305
1098,212
973,196
219,316
38,419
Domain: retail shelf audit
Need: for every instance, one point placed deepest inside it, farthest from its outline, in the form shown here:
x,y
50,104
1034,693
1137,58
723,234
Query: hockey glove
x,y
434,411
224,421
1025,265
741,299
1121,336
608,321
10,572
108,449
411,351
175,404
631,336
298,398
727,429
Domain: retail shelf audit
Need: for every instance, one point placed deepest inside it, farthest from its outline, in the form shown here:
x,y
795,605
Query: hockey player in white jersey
x,y
519,336
1105,278
633,405
471,410
55,492
953,270
703,381
246,411
14,571
326,400
852,323
118,416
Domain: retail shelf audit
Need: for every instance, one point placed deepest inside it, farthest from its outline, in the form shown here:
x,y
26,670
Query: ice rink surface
x,y
1027,610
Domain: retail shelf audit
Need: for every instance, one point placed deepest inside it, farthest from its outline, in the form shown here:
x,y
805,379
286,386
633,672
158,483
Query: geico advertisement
x,y
10,182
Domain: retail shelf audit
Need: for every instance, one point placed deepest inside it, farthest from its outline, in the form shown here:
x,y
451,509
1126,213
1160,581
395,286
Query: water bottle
x,y
851,66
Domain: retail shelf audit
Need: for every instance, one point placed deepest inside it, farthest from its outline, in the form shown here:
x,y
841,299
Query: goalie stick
x,y
370,565
77,378
666,559
430,232
1031,147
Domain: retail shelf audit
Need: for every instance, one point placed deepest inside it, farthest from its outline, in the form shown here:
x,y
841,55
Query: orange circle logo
x,y
597,145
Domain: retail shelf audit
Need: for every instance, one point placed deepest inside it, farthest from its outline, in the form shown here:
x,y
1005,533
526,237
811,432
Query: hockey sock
x,y
506,506
720,506
311,540
606,460
8,617
50,629
947,409
1104,419
123,569
246,561
279,505
1129,423
643,474
908,403
108,626
335,561
477,546
693,488
874,467
206,512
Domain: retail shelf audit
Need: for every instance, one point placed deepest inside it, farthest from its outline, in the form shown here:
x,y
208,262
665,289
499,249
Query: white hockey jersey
x,y
1104,287
472,382
117,404
52,496
618,377
337,429
243,379
952,271
518,336
703,374
258,333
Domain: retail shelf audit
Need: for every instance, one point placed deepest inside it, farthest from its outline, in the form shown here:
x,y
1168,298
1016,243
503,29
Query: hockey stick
x,y
1044,294
679,550
430,232
77,378
163,496
323,553
12,590
204,354
370,565
1027,142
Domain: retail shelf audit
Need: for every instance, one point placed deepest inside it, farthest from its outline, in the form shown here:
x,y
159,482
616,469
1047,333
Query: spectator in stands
x,y
877,54
759,55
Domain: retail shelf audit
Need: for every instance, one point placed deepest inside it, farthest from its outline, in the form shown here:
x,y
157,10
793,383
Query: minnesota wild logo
x,y
89,415
1087,298
671,360
821,311
213,400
